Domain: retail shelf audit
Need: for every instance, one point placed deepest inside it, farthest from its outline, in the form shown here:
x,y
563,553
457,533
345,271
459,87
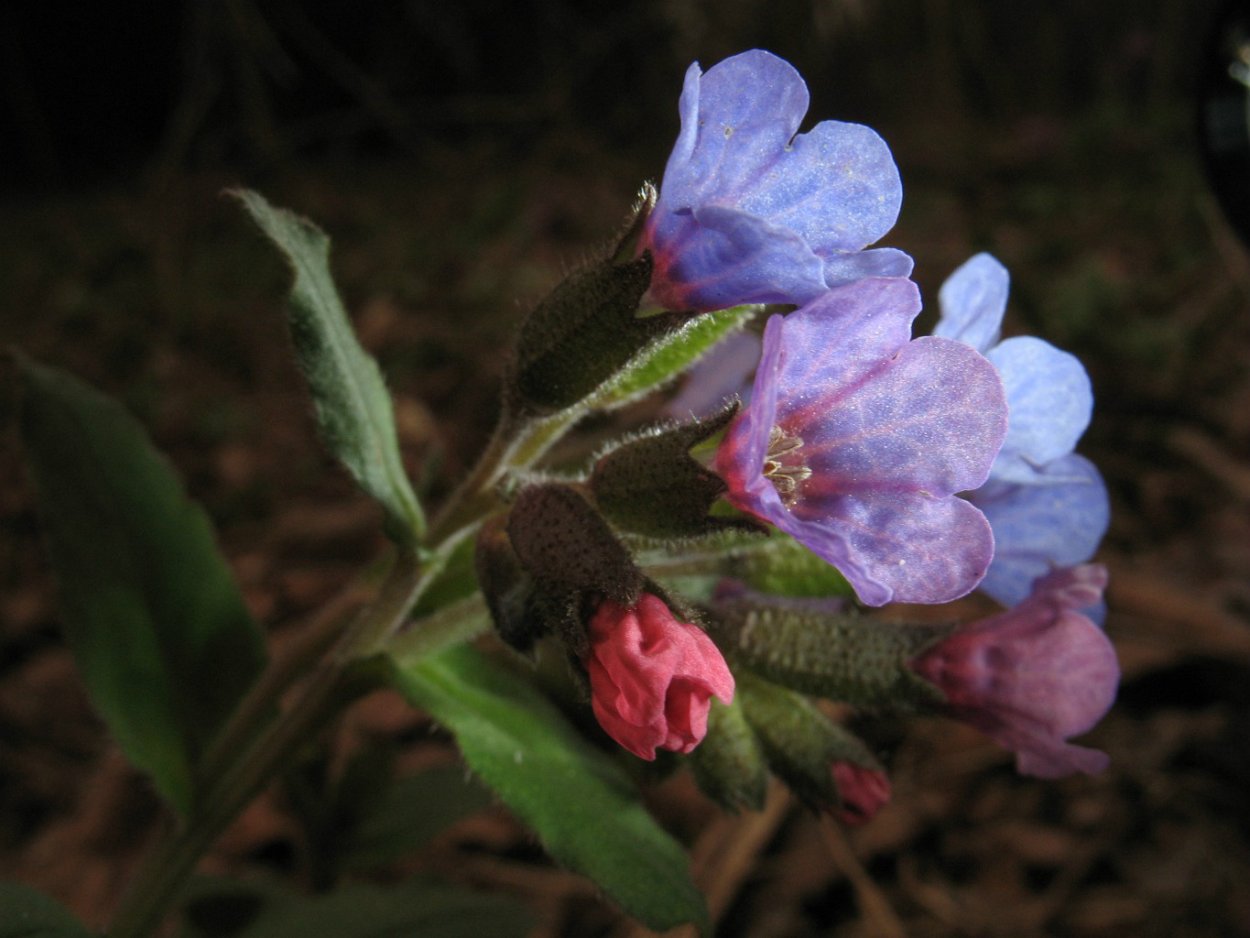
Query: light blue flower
x,y
1047,506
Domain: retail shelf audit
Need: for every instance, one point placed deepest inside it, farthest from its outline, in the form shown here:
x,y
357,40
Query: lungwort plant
x,y
709,579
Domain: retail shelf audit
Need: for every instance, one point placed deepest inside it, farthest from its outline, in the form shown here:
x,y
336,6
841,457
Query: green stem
x,y
260,704
251,749
456,622
474,497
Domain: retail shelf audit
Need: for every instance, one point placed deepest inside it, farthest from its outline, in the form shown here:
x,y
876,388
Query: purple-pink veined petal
x,y
838,339
896,547
1033,676
1049,402
930,419
889,428
973,300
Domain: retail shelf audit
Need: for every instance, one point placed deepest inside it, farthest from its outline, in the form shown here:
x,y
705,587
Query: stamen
x,y
782,465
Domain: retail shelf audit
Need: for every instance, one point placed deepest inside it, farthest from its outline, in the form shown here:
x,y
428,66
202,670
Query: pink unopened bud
x,y
862,791
652,677
1034,675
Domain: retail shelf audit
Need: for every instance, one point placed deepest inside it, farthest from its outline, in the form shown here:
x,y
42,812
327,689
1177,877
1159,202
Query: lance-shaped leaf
x,y
576,798
26,913
354,409
154,618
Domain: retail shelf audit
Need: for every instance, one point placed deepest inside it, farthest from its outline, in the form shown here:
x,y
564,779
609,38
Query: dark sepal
x,y
651,485
581,335
562,540
506,586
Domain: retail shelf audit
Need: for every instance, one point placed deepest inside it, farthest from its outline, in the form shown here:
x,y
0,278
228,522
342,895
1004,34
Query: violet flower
x,y
1033,676
1047,506
750,212
857,439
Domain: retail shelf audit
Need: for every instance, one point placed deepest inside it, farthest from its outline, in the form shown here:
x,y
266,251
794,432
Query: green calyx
x,y
843,656
729,765
799,741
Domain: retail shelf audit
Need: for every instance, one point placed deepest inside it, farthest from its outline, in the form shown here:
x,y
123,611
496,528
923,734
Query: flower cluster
x,y
920,468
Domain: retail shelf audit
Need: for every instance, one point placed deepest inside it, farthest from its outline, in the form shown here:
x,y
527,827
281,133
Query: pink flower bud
x,y
1035,675
862,791
652,677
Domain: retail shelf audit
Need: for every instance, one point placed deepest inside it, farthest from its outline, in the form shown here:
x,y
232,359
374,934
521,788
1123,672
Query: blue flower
x,y
750,212
1047,506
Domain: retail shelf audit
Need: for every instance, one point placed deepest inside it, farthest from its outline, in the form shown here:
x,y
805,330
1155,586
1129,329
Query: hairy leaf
x,y
354,409
579,801
151,611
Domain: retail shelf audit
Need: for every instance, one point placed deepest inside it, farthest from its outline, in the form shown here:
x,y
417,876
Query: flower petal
x,y
748,211
836,185
1034,675
1056,520
875,262
929,420
973,300
1049,402
724,257
896,547
735,119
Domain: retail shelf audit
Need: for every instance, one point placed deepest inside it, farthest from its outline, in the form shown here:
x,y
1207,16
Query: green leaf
x,y
579,801
360,910
27,913
156,623
411,812
354,409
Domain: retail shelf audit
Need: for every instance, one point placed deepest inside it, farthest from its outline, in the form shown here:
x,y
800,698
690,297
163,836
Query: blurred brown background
x,y
462,156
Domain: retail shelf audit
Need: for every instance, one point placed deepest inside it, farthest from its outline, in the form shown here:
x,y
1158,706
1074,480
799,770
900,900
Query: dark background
x,y
463,157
